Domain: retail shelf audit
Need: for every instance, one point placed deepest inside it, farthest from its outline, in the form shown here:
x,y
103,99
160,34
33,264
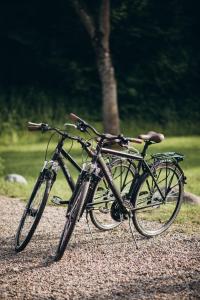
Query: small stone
x,y
15,178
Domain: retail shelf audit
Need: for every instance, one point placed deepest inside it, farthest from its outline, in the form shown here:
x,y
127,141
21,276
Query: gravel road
x,y
105,267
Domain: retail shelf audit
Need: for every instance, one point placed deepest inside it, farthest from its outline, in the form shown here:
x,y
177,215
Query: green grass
x,y
189,214
188,220
27,159
190,147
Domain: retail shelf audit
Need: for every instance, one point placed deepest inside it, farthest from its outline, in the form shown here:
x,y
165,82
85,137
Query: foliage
x,y
1,166
189,215
48,66
26,158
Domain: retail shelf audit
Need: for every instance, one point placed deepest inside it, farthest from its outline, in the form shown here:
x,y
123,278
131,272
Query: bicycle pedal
x,y
58,201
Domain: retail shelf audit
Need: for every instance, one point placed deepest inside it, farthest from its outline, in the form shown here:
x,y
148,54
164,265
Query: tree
x,y
98,27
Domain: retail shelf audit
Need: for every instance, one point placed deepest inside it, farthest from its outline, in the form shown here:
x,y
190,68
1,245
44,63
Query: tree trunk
x,y
106,71
109,93
99,32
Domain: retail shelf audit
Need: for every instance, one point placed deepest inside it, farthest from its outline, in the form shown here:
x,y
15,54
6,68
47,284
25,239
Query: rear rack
x,y
168,156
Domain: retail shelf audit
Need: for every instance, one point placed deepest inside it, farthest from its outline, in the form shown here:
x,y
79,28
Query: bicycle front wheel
x,y
157,204
73,213
32,213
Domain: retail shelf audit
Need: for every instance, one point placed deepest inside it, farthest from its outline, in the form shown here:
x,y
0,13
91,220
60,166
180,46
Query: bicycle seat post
x,y
144,151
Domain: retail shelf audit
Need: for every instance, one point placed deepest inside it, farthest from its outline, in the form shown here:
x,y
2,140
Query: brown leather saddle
x,y
152,136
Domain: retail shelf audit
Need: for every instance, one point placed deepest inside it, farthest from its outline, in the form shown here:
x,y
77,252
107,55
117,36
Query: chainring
x,y
116,212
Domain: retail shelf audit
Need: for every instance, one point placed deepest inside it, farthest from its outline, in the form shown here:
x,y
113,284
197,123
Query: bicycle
x,y
156,186
46,179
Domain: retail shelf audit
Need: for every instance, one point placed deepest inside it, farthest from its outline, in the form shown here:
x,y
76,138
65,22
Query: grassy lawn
x,y
27,159
190,147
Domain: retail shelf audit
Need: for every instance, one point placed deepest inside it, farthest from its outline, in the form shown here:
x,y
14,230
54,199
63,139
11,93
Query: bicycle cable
x,y
87,155
45,157
72,143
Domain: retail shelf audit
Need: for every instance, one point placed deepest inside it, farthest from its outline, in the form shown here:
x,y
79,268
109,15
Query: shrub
x,y
1,166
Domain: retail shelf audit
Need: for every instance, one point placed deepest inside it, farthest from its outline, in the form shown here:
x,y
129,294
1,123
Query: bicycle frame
x,y
122,207
58,155
97,157
142,165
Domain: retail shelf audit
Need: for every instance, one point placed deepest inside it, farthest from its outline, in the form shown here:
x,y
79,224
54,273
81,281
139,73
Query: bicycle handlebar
x,y
45,127
75,118
82,126
128,139
37,126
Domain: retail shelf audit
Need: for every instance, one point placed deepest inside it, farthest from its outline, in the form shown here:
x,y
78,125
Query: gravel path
x,y
107,267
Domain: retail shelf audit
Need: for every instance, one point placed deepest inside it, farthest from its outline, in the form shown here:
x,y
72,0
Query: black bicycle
x,y
102,197
154,196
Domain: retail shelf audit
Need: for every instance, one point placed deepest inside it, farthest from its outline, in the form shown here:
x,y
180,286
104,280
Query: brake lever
x,y
124,141
81,126
45,127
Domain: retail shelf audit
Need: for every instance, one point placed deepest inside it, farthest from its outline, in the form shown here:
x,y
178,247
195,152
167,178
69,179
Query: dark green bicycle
x,y
154,195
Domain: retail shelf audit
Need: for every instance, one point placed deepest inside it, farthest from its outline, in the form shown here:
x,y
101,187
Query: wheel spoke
x,y
123,174
31,215
161,212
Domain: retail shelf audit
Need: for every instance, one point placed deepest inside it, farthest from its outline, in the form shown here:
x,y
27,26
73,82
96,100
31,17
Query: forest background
x,y
48,68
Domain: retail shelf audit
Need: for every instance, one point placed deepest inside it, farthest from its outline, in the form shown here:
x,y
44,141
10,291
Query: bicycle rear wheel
x,y
154,214
73,213
32,212
123,173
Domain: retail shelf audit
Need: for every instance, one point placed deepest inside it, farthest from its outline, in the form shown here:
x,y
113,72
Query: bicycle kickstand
x,y
131,230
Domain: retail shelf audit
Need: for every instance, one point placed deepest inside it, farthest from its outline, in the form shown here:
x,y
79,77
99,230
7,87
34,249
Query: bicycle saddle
x,y
152,136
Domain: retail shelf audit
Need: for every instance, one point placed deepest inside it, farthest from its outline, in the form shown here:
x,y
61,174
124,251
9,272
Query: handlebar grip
x,y
111,136
120,142
75,118
135,140
34,126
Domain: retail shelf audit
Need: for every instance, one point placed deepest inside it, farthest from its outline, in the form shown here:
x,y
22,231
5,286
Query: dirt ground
x,y
107,266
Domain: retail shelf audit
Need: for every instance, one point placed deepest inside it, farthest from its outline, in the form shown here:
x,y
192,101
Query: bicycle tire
x,y
36,213
101,216
73,212
159,216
